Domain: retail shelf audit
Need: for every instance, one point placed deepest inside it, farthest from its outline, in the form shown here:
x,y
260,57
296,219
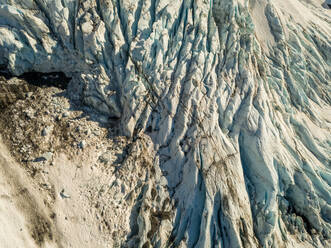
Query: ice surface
x,y
234,94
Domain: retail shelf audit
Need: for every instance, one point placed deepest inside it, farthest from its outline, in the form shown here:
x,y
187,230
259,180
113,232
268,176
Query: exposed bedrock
x,y
235,96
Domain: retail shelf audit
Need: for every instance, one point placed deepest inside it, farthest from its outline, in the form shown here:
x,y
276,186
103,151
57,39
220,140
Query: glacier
x,y
234,95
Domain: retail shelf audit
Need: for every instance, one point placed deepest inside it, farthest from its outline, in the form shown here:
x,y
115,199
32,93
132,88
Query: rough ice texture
x,y
235,96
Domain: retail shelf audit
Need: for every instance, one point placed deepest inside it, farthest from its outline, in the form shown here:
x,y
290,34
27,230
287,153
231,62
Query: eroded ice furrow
x,y
235,96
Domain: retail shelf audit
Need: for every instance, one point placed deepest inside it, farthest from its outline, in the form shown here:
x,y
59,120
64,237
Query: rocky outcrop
x,y
235,96
12,90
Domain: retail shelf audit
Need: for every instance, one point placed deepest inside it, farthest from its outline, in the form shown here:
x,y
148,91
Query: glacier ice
x,y
235,96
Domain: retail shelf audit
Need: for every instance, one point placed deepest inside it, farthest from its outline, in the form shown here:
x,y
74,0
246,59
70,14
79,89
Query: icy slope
x,y
234,94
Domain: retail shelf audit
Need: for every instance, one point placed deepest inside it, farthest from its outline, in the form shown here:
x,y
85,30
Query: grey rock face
x,y
235,96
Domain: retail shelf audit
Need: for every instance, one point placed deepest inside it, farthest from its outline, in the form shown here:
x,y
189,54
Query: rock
x,y
46,131
64,195
65,114
12,90
123,188
82,144
303,237
29,113
29,94
299,223
96,132
47,156
47,186
106,157
119,157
